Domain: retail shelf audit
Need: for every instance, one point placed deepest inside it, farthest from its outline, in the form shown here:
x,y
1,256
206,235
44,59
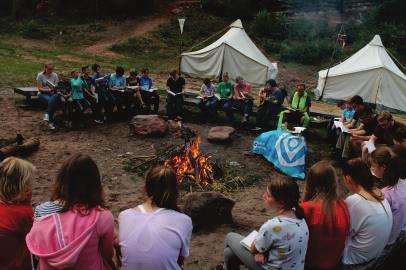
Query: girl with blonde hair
x,y
15,213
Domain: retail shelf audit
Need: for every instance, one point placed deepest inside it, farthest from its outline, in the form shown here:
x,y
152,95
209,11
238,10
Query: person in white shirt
x,y
370,217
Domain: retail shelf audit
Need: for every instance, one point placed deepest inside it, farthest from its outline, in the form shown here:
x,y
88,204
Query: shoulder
x,y
47,208
352,199
124,214
106,215
178,218
40,74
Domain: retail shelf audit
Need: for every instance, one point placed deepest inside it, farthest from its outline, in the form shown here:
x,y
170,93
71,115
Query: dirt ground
x,y
111,146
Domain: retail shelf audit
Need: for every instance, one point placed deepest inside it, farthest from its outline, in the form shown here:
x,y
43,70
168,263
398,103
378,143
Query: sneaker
x,y
51,126
244,119
98,121
46,117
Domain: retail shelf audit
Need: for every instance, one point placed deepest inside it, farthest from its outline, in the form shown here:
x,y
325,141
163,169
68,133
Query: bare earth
x,y
108,145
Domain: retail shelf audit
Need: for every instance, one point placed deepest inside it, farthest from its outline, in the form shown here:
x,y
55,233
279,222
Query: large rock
x,y
208,208
220,134
148,125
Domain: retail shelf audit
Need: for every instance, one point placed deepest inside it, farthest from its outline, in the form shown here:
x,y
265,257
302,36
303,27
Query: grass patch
x,y
161,46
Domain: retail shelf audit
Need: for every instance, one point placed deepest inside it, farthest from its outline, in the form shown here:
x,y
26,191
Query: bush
x,y
34,29
266,24
310,52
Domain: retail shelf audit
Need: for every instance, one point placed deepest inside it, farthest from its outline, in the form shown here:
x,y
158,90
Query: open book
x,y
371,147
100,80
50,84
247,241
298,130
340,125
148,90
132,87
174,94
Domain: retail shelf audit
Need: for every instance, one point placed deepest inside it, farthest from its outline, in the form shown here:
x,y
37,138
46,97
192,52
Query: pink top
x,y
153,240
245,89
73,240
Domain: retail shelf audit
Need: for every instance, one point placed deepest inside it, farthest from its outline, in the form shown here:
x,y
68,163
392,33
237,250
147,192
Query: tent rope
x,y
394,58
200,43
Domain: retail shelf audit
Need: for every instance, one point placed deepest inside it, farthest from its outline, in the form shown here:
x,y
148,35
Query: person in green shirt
x,y
226,90
80,103
299,106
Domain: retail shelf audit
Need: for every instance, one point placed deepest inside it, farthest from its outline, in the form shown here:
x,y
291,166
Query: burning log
x,y
191,164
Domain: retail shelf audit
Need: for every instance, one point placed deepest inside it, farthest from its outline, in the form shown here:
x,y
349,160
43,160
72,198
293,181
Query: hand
x,y
260,258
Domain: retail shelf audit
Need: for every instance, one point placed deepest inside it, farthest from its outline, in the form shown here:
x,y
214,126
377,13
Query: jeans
x,y
245,106
235,254
209,106
52,101
174,106
228,108
151,98
105,101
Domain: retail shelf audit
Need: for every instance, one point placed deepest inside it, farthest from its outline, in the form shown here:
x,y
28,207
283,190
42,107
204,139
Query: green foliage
x,y
270,25
309,52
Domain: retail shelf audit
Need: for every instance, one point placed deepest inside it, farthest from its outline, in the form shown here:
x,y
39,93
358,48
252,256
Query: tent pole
x,y
331,62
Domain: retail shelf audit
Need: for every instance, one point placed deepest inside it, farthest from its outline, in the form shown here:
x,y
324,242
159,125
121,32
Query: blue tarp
x,y
285,151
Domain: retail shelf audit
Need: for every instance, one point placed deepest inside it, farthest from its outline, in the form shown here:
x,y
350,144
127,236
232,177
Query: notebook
x,y
247,241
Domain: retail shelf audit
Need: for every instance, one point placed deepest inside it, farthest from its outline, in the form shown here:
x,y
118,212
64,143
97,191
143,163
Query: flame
x,y
192,164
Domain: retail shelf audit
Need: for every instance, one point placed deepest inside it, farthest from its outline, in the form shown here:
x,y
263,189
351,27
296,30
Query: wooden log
x,y
23,150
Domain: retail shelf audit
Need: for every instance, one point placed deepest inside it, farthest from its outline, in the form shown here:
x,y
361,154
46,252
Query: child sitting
x,y
15,213
281,242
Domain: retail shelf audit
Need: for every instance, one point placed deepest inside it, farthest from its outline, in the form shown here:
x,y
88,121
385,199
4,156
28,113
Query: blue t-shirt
x,y
347,114
77,85
145,82
99,86
117,81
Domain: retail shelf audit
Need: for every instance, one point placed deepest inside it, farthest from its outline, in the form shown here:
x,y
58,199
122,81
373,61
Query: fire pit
x,y
190,164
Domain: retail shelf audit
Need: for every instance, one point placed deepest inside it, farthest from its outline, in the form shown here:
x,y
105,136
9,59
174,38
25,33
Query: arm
x,y
42,89
106,233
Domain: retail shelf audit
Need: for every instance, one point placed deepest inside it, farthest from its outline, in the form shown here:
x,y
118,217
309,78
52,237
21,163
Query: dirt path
x,y
119,32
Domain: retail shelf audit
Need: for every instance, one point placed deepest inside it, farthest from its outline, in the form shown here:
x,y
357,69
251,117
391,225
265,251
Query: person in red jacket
x,y
326,216
16,215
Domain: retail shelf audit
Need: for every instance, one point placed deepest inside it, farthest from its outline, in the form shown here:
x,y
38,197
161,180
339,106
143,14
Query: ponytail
x,y
299,212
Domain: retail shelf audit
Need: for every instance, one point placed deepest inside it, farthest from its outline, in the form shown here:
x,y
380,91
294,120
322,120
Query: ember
x,y
191,164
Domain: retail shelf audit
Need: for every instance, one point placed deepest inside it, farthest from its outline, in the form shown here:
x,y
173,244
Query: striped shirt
x,y
46,208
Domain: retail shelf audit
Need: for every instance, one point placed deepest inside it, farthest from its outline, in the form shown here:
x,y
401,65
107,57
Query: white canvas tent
x,y
370,73
234,53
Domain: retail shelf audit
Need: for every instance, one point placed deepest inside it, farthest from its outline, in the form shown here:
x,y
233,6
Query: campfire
x,y
191,164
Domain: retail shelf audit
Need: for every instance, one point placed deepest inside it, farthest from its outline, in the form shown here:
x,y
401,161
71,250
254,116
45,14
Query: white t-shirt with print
x,y
286,240
370,227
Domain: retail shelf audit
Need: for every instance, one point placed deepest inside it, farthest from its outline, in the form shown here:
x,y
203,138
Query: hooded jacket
x,y
72,240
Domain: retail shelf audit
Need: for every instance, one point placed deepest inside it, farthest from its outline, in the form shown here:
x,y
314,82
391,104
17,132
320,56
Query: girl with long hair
x,y
281,242
370,214
327,217
15,213
389,165
154,234
74,230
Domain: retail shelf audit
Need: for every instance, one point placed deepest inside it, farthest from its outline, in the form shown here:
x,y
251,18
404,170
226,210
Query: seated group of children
x,y
360,130
101,93
75,230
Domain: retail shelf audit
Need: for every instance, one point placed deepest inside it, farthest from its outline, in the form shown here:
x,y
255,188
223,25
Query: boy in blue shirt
x,y
147,96
117,83
105,99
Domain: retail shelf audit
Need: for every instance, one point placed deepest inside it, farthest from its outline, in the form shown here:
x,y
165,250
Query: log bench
x,y
316,117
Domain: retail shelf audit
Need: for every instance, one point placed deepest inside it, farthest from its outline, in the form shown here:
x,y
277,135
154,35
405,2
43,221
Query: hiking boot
x,y
46,117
